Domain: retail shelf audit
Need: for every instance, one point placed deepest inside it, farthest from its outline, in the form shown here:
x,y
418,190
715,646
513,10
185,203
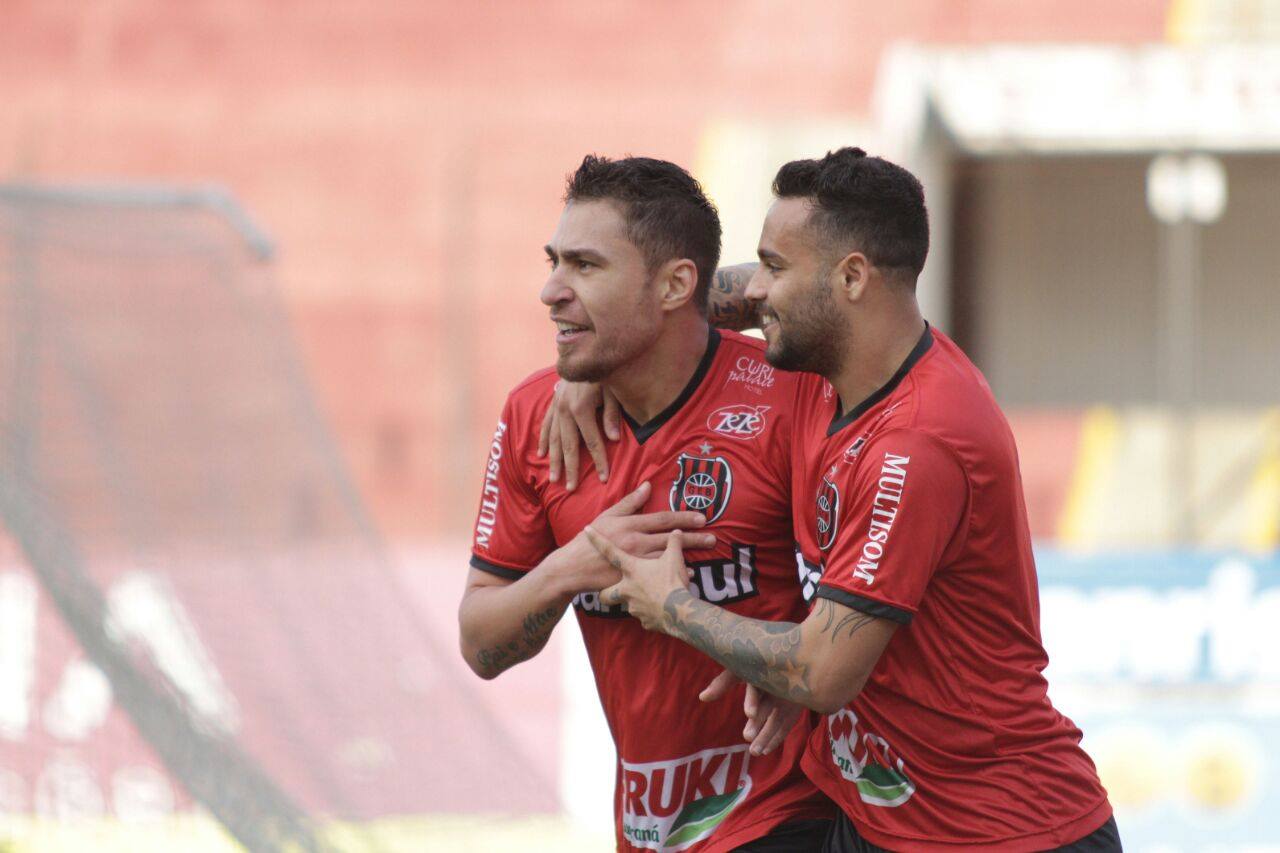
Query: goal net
x,y
196,613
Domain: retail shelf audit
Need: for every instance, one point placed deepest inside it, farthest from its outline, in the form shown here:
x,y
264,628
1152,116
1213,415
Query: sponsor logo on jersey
x,y
868,761
810,575
756,375
884,509
671,805
828,513
740,421
851,452
722,581
489,494
719,581
589,604
703,485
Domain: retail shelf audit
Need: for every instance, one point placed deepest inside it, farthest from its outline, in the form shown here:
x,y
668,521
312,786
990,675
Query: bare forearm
x,y
727,304
500,626
766,654
787,659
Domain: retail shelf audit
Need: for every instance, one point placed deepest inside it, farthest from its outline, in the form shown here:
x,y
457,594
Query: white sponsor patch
x,y
756,375
738,421
488,517
884,509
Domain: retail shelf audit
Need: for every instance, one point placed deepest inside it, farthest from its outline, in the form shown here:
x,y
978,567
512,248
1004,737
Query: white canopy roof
x,y
1083,99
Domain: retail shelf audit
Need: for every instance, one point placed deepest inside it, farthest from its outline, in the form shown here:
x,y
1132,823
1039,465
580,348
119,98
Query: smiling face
x,y
802,323
600,293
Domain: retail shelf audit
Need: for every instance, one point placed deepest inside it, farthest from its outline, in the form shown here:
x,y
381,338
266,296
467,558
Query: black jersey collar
x,y
643,431
839,422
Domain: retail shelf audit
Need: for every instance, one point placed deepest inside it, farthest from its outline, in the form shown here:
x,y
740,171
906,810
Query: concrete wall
x,y
1057,289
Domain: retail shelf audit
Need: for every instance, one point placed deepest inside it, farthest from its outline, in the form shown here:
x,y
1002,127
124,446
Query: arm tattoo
x,y
536,630
850,623
766,654
727,304
762,653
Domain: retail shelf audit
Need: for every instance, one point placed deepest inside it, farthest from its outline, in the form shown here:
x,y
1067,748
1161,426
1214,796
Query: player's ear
x,y
852,275
678,280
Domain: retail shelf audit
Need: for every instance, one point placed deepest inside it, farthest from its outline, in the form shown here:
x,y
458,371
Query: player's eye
x,y
551,262
585,265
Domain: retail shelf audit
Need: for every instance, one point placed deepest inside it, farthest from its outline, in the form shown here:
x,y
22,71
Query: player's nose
x,y
555,291
757,289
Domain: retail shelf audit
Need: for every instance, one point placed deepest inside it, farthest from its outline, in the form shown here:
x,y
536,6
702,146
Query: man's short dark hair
x,y
666,212
875,206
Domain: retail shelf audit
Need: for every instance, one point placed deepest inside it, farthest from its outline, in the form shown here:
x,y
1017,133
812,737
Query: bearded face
x,y
804,329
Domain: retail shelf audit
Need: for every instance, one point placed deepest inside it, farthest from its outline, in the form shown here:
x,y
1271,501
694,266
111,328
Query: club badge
x,y
703,485
828,513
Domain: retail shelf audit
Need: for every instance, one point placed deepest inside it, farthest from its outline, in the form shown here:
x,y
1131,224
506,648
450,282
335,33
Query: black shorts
x,y
844,838
795,836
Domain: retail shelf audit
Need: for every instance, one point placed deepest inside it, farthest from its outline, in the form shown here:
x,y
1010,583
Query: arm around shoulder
x,y
727,303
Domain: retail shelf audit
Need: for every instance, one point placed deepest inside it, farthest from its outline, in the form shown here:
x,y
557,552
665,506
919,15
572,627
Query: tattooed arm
x,y
727,304
821,663
502,622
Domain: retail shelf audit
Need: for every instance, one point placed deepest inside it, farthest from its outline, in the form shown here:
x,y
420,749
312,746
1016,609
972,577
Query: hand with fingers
x,y
644,535
576,416
769,718
645,582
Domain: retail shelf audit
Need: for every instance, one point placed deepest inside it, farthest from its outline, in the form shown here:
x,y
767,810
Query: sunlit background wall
x,y
268,269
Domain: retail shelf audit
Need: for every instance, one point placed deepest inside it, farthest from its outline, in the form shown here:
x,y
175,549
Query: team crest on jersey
x,y
703,485
828,513
740,421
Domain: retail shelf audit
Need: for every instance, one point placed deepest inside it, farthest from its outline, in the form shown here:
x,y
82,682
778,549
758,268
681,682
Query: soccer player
x,y
704,447
922,647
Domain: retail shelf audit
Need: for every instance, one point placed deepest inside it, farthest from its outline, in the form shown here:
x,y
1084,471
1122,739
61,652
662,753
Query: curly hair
x,y
863,202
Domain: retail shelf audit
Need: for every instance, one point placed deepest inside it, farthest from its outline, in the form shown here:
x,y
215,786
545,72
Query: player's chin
x,y
775,350
783,357
577,367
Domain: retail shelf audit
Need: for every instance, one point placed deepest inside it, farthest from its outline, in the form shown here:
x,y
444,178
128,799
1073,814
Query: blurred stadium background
x,y
267,270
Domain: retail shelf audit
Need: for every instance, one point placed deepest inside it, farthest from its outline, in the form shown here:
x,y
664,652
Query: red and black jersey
x,y
685,778
915,513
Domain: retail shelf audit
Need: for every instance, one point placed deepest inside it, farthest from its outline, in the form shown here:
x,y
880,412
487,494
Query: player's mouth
x,y
567,333
768,321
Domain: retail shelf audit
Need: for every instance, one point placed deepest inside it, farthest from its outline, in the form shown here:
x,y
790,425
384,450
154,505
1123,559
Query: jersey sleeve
x,y
896,513
512,533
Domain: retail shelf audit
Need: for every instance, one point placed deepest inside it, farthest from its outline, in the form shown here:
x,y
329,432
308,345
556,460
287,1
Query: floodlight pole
x,y
1179,277
1183,193
1179,265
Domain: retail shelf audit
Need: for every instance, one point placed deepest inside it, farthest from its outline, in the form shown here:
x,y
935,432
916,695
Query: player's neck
x,y
650,383
876,351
